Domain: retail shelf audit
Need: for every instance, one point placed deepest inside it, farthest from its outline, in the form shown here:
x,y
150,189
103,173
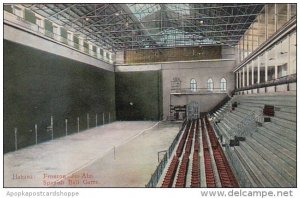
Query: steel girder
x,y
119,26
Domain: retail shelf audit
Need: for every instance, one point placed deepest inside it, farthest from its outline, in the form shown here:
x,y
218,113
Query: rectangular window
x,y
237,80
242,49
48,25
86,47
281,14
70,39
250,73
293,54
63,32
255,70
271,63
48,28
76,42
246,44
293,10
242,77
262,68
282,57
282,70
261,28
271,20
255,35
250,39
64,35
245,76
29,16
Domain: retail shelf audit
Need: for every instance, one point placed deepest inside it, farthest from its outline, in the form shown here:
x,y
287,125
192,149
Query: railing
x,y
197,91
158,172
248,125
155,177
172,146
222,102
218,131
16,20
279,81
225,110
237,168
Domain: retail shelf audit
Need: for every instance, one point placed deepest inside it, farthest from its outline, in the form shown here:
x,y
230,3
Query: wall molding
x,y
281,33
27,38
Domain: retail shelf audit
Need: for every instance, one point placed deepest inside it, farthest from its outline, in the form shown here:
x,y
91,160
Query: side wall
x,y
38,85
201,71
138,95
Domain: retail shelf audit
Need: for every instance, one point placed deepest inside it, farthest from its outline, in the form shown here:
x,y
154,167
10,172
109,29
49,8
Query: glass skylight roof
x,y
172,37
182,9
154,25
143,10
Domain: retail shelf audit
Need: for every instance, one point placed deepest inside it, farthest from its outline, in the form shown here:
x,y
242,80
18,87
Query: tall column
x,y
288,15
266,21
258,69
252,71
276,60
236,79
240,76
243,84
247,73
266,66
276,17
289,55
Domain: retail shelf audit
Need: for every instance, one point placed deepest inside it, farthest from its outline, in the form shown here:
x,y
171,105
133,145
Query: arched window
x,y
223,84
210,85
193,85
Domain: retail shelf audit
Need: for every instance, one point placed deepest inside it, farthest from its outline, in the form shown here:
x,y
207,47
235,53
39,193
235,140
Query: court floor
x,y
120,154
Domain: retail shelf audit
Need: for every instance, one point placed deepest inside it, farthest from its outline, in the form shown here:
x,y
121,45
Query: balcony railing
x,y
197,91
279,81
18,21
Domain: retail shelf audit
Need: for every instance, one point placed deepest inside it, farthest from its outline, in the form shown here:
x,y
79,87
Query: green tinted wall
x,y
63,32
48,25
8,8
64,35
143,90
38,85
29,16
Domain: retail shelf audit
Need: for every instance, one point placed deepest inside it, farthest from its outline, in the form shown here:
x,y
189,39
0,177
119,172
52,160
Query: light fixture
x,y
87,19
117,14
